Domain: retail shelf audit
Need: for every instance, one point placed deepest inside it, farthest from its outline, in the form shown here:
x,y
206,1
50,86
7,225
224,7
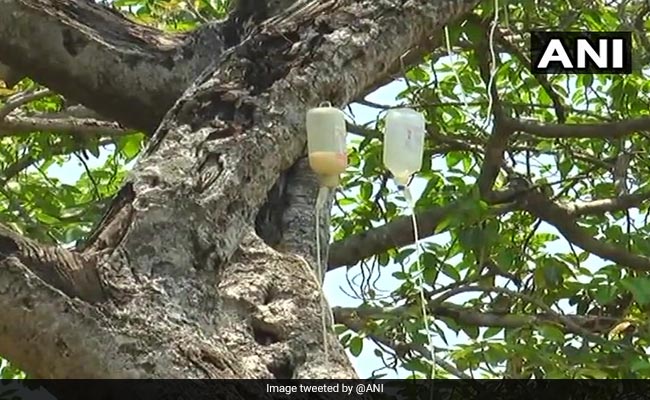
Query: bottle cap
x,y
402,180
330,181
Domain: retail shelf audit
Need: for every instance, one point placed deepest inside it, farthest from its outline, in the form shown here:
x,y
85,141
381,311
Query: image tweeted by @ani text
x,y
333,387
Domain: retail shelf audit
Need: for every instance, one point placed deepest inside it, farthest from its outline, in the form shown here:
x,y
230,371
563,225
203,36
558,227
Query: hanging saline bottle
x,y
326,145
326,134
403,143
403,151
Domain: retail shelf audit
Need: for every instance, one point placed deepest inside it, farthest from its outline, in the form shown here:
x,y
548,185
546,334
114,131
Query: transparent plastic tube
x,y
323,191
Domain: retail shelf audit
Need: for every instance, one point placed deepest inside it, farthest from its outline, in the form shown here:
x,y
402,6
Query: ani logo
x,y
581,52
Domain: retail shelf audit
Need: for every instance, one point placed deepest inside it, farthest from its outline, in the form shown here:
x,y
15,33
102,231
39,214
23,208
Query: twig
x,y
29,159
21,99
15,126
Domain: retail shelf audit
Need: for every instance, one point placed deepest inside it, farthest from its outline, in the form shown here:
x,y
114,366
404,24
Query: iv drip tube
x,y
323,191
326,147
418,253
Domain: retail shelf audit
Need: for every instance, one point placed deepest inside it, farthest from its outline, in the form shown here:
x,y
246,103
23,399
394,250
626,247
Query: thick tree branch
x,y
577,324
76,120
497,143
93,55
610,130
399,232
562,219
125,71
494,151
613,204
395,234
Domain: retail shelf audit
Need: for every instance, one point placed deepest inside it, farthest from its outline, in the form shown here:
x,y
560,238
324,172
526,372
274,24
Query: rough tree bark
x,y
175,282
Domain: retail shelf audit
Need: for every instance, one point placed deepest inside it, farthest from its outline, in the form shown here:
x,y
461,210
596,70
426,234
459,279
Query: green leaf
x,y
492,331
475,33
430,273
366,191
639,287
356,346
553,271
453,158
383,259
418,74
450,271
454,33
605,294
552,333
73,234
402,255
92,145
400,275
339,328
130,145
640,364
346,201
471,331
417,365
444,224
592,373
345,339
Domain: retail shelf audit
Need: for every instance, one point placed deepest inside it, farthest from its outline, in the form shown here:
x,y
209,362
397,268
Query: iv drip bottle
x,y
403,143
326,133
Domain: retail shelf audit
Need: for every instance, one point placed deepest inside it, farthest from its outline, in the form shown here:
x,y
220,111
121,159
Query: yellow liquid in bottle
x,y
328,162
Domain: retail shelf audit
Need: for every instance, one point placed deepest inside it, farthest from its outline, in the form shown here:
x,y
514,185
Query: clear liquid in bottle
x,y
403,143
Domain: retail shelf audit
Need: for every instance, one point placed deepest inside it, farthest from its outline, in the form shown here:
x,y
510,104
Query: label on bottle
x,y
412,138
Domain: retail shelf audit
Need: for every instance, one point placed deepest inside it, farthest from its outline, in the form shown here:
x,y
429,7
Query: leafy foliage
x,y
505,285
511,296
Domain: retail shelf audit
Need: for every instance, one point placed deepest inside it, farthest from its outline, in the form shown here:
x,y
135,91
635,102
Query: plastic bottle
x,y
326,133
403,150
403,143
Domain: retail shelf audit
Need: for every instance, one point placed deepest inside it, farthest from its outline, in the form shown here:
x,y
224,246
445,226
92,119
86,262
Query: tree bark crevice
x,y
65,270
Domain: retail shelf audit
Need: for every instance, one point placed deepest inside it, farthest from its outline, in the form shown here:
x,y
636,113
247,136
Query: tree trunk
x,y
175,282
